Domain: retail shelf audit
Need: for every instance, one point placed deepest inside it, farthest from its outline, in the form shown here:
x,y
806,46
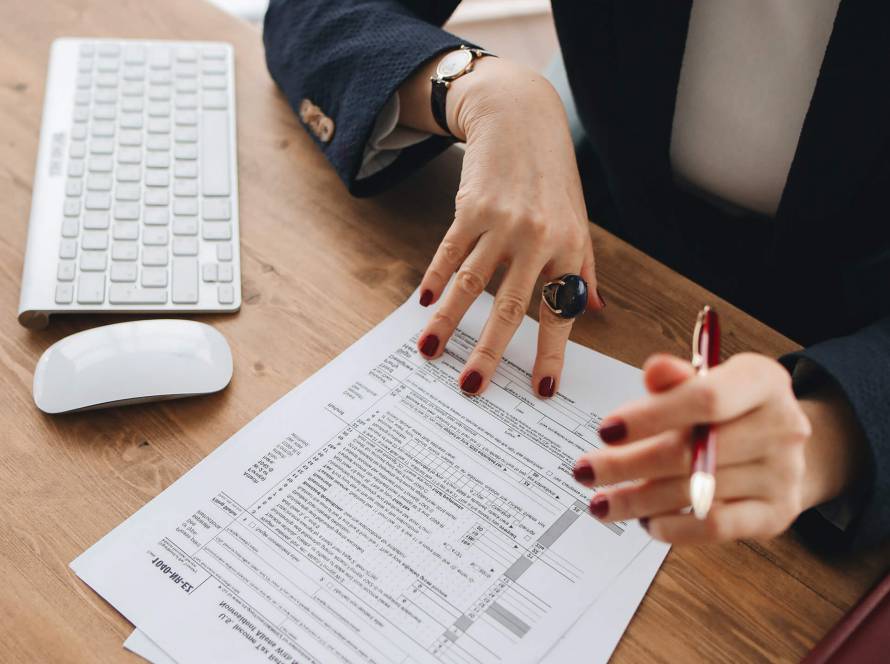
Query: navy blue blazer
x,y
819,271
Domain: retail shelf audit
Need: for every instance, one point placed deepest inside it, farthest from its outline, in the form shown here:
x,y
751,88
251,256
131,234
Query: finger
x,y
745,440
741,384
553,334
662,372
510,305
724,523
451,253
655,497
471,279
595,299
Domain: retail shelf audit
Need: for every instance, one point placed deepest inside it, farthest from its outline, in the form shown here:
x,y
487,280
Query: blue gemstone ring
x,y
566,296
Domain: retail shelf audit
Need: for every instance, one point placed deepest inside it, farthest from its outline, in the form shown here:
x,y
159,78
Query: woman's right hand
x,y
519,204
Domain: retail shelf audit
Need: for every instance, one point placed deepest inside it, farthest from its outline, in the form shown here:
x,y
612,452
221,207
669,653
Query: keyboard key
x,y
158,125
186,169
131,120
94,240
73,187
129,173
159,92
125,272
124,251
75,167
126,211
71,207
134,73
185,246
185,226
208,272
109,48
106,96
97,200
79,131
93,261
225,294
133,89
213,82
131,104
134,55
216,230
186,188
101,146
223,251
82,97
214,99
159,58
91,288
214,53
185,206
84,81
157,177
184,278
129,156
156,216
107,64
103,129
225,272
186,151
130,138
81,114
213,67
157,196
186,85
216,209
154,236
99,182
158,142
69,227
215,153
101,164
187,71
159,109
186,101
125,230
77,149
127,294
96,219
64,293
157,159
127,191
186,54
154,277
106,80
154,256
186,135
186,118
86,49
66,271
68,249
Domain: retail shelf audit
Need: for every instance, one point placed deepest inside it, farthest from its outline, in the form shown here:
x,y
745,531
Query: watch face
x,y
454,63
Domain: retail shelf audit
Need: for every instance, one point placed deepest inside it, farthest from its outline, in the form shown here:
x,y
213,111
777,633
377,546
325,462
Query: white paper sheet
x,y
377,514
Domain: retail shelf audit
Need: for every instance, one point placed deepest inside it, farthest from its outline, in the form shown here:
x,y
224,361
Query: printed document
x,y
377,514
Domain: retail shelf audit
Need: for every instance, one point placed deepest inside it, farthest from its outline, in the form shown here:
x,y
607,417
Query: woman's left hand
x,y
763,479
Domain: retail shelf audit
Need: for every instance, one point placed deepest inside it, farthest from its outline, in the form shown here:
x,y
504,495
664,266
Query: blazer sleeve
x,y
860,365
348,57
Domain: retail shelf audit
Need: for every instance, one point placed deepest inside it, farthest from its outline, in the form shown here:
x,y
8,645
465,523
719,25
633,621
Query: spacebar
x,y
126,294
215,172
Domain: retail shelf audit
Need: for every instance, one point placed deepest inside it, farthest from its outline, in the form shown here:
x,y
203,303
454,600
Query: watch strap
x,y
437,102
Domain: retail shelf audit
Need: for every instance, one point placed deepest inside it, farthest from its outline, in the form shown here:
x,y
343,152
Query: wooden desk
x,y
66,481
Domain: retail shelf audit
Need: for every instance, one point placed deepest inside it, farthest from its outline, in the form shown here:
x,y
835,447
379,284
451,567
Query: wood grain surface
x,y
66,481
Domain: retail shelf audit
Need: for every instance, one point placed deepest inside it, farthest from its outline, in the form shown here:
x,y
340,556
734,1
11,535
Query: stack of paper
x,y
376,514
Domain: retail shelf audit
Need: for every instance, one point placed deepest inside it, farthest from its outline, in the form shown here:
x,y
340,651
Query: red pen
x,y
705,355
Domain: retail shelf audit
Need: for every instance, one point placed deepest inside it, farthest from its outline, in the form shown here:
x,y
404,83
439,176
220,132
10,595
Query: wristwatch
x,y
451,67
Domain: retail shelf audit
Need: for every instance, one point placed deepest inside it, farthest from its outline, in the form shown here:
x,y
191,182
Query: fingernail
x,y
426,297
601,298
430,345
644,522
471,382
545,387
599,507
613,432
583,472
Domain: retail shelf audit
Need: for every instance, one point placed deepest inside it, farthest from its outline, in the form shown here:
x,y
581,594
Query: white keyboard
x,y
135,200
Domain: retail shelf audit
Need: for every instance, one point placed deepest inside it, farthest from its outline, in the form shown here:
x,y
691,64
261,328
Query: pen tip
x,y
701,492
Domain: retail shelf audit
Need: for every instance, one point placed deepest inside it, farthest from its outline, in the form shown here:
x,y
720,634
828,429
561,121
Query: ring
x,y
566,296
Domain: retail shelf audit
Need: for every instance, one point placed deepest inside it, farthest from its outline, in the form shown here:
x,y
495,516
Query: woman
x,y
744,144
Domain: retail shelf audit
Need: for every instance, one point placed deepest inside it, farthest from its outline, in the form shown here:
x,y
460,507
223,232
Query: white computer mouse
x,y
134,362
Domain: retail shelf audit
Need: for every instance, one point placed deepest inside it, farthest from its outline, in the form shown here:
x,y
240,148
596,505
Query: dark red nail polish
x,y
613,432
426,297
430,345
583,472
599,507
644,522
471,382
601,298
546,387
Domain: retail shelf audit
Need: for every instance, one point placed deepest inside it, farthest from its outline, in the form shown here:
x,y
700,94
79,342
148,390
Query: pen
x,y
705,355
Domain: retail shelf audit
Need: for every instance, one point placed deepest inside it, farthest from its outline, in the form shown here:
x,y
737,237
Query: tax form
x,y
377,514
